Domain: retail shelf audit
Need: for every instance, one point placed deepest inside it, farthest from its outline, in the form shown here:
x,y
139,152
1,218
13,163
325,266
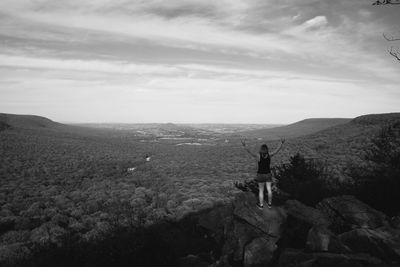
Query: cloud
x,y
85,65
317,22
303,56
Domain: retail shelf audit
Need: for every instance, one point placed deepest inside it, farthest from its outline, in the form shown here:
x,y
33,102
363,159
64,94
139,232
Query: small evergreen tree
x,y
379,184
303,179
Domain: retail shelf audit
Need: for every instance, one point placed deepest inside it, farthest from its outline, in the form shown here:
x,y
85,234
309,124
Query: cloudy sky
x,y
246,61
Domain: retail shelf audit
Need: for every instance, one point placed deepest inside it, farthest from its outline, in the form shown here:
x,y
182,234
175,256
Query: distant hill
x,y
25,121
345,143
357,128
377,119
301,128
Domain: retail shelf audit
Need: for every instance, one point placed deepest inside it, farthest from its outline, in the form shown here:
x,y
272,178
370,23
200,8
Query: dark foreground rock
x,y
340,231
298,258
192,261
347,213
255,233
294,234
381,242
322,239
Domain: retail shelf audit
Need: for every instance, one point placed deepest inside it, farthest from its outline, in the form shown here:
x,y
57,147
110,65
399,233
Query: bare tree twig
x,y
387,2
394,53
390,38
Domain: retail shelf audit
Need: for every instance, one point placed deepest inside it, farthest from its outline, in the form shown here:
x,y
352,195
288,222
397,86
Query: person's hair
x,y
264,149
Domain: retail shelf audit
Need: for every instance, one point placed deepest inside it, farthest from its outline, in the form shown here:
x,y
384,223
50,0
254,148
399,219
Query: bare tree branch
x,y
387,2
391,38
394,53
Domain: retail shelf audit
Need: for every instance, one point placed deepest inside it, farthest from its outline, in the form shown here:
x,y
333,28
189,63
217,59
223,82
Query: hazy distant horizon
x,y
177,122
188,122
244,61
182,123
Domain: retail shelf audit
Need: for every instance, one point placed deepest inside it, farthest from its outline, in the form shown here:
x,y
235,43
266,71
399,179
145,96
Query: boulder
x,y
298,258
382,242
321,239
215,221
242,235
300,220
268,221
347,212
215,218
252,234
222,262
395,222
306,214
318,239
192,261
259,252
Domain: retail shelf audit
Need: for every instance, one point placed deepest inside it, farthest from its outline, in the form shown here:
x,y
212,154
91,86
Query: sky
x,y
203,61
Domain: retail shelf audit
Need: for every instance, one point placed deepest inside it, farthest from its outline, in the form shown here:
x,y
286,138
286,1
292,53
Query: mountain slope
x,y
26,121
358,130
301,128
346,144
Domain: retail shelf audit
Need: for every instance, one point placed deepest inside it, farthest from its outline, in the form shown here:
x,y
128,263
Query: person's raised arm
x,y
248,150
273,153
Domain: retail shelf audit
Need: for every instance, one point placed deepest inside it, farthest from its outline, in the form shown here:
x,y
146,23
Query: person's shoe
x,y
259,206
269,205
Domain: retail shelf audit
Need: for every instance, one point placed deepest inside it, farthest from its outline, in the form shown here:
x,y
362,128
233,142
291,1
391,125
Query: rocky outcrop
x,y
259,251
347,213
306,214
381,242
268,221
306,226
251,236
298,258
340,231
322,239
192,261
294,234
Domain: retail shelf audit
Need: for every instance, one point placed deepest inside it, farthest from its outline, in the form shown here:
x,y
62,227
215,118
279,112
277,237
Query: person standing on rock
x,y
264,175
